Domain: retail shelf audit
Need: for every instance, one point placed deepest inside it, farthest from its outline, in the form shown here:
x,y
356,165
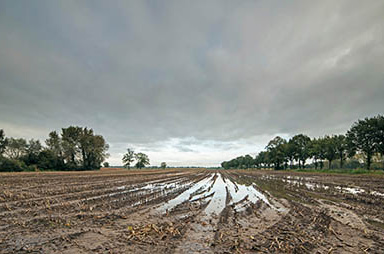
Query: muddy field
x,y
191,211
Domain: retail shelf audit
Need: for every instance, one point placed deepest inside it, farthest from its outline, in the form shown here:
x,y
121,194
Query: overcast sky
x,y
190,82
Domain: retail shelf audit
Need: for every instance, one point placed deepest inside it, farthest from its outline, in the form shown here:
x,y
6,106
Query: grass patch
x,y
341,171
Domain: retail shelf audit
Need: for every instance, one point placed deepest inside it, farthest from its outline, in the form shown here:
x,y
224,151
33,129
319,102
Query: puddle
x,y
203,184
150,187
302,181
376,193
217,203
214,189
159,181
309,185
350,190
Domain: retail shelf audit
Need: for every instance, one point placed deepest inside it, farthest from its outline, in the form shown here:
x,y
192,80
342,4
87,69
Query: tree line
x,y
364,141
75,148
141,159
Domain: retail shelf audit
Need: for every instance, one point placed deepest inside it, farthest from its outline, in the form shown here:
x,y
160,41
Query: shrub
x,y
9,165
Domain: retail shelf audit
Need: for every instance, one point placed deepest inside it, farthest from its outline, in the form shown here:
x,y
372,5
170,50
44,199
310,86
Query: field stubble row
x,y
191,211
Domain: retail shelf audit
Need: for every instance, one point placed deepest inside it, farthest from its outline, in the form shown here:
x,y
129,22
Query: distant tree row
x,y
365,138
141,159
75,148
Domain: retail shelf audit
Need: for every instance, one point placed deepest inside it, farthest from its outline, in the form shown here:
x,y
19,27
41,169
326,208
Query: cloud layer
x,y
192,83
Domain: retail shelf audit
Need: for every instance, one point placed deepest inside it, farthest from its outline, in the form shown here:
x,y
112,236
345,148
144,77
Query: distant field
x,y
191,211
108,169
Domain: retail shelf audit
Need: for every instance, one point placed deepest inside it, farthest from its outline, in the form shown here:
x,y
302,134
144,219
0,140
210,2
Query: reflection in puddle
x,y
239,192
309,183
214,190
376,193
186,194
150,187
217,203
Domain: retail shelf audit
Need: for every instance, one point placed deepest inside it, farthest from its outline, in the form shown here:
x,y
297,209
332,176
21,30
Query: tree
x,y
317,151
81,148
262,159
70,143
33,150
142,160
47,159
77,148
11,165
248,161
341,148
85,146
16,148
106,165
301,144
93,149
3,142
128,158
98,152
330,149
225,165
290,152
276,151
379,136
364,141
362,137
163,165
54,144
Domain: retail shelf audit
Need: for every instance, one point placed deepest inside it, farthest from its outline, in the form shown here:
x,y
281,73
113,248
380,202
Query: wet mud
x,y
191,211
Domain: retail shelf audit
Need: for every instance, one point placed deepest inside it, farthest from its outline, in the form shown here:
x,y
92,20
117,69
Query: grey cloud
x,y
143,73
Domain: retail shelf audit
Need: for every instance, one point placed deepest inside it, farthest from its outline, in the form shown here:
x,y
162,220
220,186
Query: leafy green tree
x,y
263,158
341,147
11,165
362,137
86,146
97,152
128,158
141,160
93,149
106,165
163,165
33,150
301,147
380,136
47,159
365,138
317,152
290,152
234,163
248,161
330,149
77,148
70,143
3,142
55,144
82,149
276,151
16,148
239,162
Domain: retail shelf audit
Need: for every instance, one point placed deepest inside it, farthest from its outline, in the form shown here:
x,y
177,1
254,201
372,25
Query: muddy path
x,y
191,211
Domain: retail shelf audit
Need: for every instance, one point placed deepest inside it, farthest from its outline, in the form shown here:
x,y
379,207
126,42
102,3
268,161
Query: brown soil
x,y
120,211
